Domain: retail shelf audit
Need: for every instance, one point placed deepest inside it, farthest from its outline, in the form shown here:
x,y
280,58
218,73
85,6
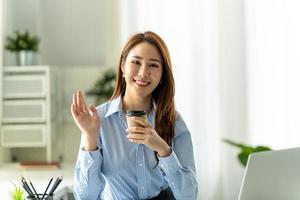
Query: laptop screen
x,y
272,175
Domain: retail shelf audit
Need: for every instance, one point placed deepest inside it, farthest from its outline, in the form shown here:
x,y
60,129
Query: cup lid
x,y
131,113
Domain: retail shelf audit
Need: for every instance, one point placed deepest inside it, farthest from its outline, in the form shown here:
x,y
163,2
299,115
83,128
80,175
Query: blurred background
x,y
236,67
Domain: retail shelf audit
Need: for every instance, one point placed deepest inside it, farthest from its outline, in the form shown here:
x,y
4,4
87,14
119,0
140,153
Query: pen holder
x,y
46,197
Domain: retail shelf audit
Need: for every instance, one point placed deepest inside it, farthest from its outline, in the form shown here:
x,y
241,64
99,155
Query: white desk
x,y
11,174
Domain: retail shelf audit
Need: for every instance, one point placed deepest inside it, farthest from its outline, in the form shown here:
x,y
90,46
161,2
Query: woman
x,y
152,160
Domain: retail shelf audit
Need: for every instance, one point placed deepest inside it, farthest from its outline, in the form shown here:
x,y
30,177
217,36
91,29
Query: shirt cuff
x,y
89,158
170,164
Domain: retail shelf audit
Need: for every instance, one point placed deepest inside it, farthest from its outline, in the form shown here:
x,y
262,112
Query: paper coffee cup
x,y
135,113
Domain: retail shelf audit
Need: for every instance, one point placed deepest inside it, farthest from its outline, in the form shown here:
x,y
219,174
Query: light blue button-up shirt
x,y
130,169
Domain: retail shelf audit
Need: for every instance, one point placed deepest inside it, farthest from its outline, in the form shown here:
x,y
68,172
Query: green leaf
x,y
262,148
240,145
17,193
22,41
243,158
246,150
104,86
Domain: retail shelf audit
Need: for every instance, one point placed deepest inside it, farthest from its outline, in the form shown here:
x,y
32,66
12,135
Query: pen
x,y
34,190
26,189
26,185
55,185
47,187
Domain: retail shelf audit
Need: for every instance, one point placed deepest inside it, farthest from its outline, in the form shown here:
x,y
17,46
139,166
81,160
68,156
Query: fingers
x,y
137,141
136,129
141,121
74,106
78,107
75,101
136,136
81,102
93,110
73,111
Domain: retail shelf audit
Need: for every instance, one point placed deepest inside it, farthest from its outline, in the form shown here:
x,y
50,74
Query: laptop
x,y
272,175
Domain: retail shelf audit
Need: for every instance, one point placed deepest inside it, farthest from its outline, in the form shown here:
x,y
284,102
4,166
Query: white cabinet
x,y
18,86
23,111
33,135
30,107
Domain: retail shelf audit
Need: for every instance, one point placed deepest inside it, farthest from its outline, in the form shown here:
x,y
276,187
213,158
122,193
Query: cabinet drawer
x,y
23,135
24,86
22,111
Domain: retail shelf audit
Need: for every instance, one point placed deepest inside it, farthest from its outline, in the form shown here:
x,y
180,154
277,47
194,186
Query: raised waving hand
x,y
87,120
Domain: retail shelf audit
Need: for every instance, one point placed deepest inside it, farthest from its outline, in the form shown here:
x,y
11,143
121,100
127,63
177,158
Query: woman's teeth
x,y
141,83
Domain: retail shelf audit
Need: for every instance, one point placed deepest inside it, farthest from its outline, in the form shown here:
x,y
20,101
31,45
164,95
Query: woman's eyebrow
x,y
151,59
138,57
155,60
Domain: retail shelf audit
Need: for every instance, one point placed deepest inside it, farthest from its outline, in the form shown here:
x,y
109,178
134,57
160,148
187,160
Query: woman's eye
x,y
153,65
135,62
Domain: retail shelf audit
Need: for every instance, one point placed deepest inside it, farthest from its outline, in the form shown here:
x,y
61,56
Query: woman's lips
x,y
142,83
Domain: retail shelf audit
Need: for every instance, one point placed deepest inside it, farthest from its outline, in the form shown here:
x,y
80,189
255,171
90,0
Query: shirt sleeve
x,y
89,182
179,166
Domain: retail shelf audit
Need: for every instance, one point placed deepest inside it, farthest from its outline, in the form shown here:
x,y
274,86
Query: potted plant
x,y
17,193
24,45
246,150
104,86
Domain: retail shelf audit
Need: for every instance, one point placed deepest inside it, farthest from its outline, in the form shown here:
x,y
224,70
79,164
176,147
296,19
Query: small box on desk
x,y
33,165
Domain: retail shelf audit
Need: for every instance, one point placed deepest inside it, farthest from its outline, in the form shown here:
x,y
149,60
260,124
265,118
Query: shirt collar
x,y
116,106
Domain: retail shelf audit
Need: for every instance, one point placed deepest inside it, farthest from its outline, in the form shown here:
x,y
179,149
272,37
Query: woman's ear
x,y
123,68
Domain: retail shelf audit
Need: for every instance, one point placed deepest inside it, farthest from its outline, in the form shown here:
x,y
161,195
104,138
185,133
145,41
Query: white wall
x,y
232,67
1,63
72,32
273,72
4,154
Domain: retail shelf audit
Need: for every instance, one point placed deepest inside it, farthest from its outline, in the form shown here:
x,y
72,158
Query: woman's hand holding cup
x,y
141,132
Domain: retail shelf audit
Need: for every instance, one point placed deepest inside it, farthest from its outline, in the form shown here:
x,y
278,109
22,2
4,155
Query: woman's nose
x,y
143,71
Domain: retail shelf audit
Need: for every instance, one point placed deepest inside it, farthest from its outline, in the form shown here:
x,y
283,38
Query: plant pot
x,y
24,58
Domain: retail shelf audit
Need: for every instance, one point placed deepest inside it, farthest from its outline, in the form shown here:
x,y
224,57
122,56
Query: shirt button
x,y
142,188
141,165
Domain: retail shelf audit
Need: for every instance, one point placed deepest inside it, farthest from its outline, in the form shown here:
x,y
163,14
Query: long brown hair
x,y
163,94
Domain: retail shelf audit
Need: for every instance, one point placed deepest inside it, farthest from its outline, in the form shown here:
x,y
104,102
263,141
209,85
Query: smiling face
x,y
143,70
